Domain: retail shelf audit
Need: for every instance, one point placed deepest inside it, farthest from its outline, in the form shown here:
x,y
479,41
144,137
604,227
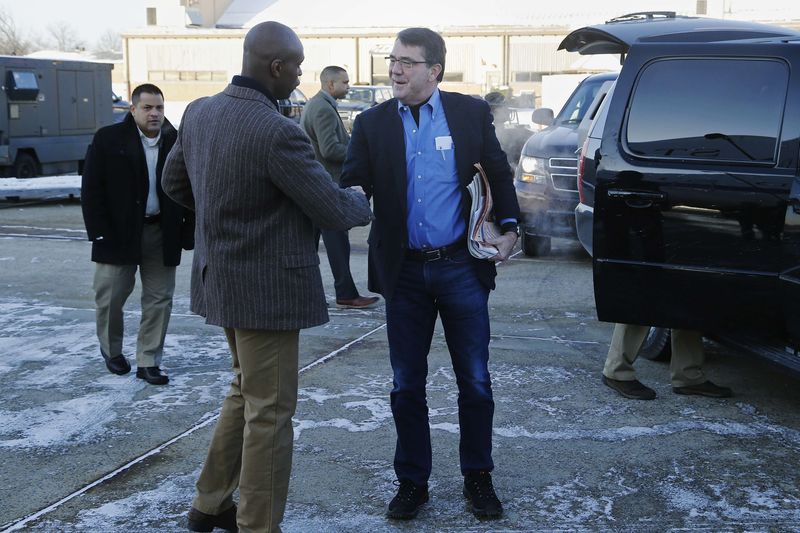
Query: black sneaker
x,y
479,490
408,500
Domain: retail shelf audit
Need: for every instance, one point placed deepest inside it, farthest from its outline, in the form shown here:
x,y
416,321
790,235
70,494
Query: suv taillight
x,y
581,165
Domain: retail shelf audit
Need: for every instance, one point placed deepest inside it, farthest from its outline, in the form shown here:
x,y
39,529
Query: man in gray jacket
x,y
259,196
322,124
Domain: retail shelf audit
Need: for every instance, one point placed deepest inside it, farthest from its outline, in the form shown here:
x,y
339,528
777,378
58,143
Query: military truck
x,y
49,111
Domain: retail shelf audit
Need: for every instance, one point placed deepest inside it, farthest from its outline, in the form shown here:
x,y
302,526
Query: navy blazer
x,y
376,160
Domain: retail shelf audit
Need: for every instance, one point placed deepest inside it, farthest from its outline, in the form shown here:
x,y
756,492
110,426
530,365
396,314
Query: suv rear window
x,y
708,109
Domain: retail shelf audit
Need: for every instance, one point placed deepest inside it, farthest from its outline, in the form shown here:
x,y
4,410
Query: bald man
x,y
259,196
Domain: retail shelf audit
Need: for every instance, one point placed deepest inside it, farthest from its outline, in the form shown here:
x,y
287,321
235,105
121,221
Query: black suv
x,y
545,176
691,169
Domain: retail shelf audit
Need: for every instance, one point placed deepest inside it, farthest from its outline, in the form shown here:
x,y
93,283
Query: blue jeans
x,y
448,287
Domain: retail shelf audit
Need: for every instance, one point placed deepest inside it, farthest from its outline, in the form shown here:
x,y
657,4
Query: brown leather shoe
x,y
359,302
207,522
632,389
704,389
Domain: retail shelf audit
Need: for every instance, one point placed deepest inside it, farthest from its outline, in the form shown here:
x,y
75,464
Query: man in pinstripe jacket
x,y
259,194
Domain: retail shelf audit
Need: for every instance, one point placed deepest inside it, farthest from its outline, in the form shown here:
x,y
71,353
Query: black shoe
x,y
704,389
207,522
632,389
478,489
407,502
116,365
359,302
152,374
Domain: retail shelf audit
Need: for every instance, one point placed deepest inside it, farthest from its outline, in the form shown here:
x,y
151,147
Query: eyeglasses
x,y
407,64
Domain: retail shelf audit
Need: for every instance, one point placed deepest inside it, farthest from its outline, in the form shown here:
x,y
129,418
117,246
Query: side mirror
x,y
543,116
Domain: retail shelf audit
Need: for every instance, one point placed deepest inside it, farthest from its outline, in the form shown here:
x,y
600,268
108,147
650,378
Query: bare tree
x,y
65,37
12,40
108,45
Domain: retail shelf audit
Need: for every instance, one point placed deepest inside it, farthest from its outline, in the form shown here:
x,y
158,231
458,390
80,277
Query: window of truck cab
x,y
21,85
721,110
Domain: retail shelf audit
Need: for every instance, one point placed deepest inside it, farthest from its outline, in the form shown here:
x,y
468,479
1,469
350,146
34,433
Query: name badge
x,y
444,143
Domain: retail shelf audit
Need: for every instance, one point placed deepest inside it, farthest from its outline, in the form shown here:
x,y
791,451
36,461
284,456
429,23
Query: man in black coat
x,y
133,225
414,155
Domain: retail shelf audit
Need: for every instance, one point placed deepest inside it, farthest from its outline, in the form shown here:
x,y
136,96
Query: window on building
x,y
453,76
187,75
527,76
708,109
151,17
702,7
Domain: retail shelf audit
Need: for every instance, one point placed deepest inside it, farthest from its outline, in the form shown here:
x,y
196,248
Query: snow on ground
x,y
43,188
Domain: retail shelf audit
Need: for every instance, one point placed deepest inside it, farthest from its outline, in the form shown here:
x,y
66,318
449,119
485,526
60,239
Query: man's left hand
x,y
504,243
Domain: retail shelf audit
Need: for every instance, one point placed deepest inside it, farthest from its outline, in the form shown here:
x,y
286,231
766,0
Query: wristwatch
x,y
509,227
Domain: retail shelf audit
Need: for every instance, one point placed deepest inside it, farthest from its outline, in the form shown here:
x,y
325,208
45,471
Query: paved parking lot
x,y
84,450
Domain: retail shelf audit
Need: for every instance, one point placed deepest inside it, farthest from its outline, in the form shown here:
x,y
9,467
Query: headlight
x,y
533,169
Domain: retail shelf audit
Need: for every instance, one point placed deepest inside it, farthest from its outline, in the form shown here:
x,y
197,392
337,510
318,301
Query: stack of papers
x,y
481,226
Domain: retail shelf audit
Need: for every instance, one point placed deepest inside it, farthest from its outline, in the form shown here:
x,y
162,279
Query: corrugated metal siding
x,y
539,55
460,58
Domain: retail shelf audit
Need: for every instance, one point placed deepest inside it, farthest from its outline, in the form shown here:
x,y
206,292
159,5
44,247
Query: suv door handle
x,y
637,195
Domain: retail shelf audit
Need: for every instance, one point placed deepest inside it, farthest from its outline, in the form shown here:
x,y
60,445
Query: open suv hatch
x,y
692,174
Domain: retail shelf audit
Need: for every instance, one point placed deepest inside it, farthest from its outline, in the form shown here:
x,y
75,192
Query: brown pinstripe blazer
x,y
259,194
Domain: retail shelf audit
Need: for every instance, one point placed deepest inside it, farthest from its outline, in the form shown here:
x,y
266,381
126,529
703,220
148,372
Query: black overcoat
x,y
114,196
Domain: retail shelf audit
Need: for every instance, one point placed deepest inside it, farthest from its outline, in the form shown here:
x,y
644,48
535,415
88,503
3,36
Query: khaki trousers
x,y
112,286
686,365
252,443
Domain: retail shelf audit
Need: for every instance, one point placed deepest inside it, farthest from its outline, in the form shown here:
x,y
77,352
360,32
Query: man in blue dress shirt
x,y
414,155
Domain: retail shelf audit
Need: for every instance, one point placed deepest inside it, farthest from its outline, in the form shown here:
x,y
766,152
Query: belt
x,y
436,253
152,219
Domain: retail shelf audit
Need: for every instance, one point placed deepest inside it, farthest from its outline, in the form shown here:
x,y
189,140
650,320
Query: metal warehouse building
x,y
191,48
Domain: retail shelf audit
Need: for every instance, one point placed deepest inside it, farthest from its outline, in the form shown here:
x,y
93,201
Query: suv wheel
x,y
25,166
657,346
534,245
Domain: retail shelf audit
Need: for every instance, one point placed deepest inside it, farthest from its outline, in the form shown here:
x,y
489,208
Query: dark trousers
x,y
449,288
337,246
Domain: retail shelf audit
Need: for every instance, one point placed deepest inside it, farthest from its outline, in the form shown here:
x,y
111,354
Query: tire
x,y
534,245
25,166
657,346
